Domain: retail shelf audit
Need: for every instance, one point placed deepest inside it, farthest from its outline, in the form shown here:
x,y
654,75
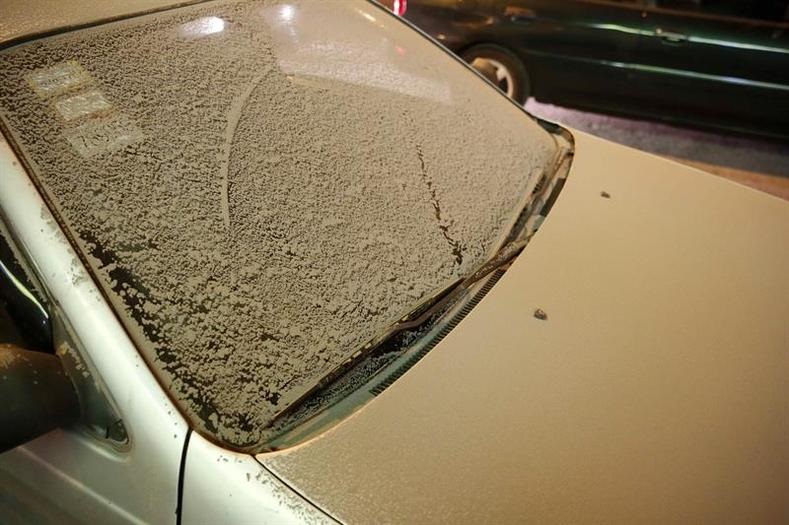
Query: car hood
x,y
655,391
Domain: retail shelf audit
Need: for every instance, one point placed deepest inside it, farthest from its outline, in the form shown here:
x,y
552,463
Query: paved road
x,y
761,164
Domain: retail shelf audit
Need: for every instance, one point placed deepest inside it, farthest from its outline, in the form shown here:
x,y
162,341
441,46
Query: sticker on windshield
x,y
82,105
57,79
102,136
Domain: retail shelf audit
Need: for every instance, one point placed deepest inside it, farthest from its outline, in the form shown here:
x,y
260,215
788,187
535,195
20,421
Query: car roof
x,y
25,18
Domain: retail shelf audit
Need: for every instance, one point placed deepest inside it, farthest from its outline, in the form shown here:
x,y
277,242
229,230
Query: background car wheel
x,y
502,68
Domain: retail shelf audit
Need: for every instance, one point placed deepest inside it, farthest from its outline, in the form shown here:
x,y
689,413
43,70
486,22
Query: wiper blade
x,y
538,205
448,296
414,319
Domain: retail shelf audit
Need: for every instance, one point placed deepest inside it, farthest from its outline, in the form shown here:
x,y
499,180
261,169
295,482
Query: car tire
x,y
502,68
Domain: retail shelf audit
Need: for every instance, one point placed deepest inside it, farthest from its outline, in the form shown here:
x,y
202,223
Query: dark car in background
x,y
710,63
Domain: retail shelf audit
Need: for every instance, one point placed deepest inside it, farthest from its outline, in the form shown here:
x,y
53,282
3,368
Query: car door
x,y
121,462
576,51
722,62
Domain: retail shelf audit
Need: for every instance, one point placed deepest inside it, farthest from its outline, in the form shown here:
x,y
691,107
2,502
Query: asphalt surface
x,y
761,164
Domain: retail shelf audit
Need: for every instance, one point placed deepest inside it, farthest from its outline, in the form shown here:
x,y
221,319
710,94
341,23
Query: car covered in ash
x,y
720,64
290,261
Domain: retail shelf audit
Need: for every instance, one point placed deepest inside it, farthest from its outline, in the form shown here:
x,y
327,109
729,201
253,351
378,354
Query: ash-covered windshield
x,y
262,187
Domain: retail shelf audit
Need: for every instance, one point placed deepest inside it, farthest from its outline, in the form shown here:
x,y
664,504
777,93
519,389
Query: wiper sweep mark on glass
x,y
233,118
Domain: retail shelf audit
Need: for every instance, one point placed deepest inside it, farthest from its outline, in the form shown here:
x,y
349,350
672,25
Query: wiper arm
x,y
414,319
538,205
448,296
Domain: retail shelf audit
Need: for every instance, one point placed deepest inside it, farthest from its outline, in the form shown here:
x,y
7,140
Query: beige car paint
x,y
655,392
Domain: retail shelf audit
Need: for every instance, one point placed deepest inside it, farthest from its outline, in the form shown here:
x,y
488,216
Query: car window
x,y
24,319
767,10
262,187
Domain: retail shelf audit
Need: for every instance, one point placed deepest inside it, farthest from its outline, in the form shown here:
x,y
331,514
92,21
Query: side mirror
x,y
36,396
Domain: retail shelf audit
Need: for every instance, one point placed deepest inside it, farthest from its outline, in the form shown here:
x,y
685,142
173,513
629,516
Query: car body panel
x,y
632,57
718,67
655,390
222,486
561,44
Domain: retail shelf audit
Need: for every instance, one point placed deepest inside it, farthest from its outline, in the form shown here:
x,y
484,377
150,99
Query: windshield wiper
x,y
449,294
538,204
417,317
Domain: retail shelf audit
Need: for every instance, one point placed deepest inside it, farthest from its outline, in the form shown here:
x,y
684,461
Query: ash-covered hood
x,y
655,391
